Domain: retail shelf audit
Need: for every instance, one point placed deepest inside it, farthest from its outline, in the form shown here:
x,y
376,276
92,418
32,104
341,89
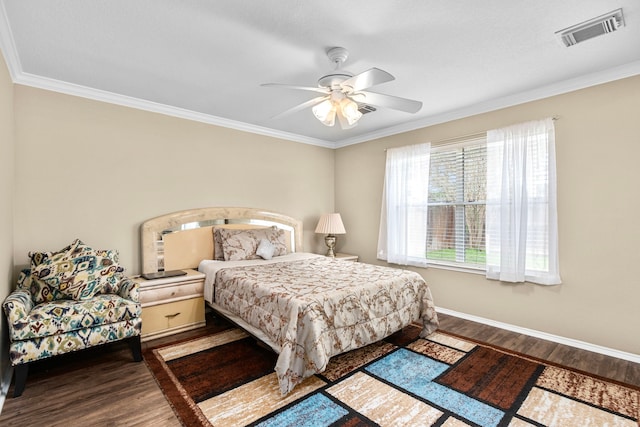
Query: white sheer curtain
x,y
403,220
521,217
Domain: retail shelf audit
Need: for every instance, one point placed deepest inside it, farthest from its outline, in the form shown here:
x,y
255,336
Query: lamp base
x,y
330,241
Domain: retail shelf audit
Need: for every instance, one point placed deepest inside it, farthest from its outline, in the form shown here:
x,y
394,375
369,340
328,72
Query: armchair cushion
x,y
26,351
78,273
55,317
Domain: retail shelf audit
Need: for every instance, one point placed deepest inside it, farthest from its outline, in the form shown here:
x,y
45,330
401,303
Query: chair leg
x,y
21,378
136,348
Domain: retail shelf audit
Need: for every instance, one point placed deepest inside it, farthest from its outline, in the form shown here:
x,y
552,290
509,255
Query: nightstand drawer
x,y
165,319
155,295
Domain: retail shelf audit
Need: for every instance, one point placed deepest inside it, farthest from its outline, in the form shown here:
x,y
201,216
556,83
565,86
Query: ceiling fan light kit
x,y
337,105
325,112
345,94
350,111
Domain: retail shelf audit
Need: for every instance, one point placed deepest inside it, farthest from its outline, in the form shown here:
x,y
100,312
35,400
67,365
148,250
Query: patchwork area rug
x,y
227,379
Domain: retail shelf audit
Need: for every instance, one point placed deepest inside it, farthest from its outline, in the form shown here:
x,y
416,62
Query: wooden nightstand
x,y
171,305
347,257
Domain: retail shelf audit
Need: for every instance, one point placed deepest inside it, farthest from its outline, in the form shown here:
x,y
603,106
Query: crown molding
x,y
7,45
582,82
18,76
566,86
141,104
8,48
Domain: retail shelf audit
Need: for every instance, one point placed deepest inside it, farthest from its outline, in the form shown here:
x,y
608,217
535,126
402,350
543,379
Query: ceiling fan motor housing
x,y
337,55
333,80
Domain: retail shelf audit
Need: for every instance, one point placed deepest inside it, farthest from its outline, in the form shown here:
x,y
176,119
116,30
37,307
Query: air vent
x,y
607,23
364,108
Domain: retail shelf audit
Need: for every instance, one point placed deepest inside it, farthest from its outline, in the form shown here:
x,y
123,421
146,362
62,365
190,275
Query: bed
x,y
306,307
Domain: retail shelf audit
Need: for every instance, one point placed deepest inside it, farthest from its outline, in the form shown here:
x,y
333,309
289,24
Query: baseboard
x,y
5,383
545,336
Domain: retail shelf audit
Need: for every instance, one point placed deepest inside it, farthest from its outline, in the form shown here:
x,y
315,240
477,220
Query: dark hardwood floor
x,y
104,387
594,363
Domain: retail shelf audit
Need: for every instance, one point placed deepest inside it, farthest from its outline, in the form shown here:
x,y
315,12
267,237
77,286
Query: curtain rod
x,y
455,140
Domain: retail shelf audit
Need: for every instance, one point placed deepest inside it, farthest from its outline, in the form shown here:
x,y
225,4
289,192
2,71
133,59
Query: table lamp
x,y
330,224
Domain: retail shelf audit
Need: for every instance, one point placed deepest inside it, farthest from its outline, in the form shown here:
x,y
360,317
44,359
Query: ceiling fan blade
x,y
388,101
300,107
366,79
285,86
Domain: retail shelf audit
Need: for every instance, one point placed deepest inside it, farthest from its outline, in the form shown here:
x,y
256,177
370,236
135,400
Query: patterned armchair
x,y
67,301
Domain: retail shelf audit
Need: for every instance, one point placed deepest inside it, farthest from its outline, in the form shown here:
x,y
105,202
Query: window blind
x,y
457,204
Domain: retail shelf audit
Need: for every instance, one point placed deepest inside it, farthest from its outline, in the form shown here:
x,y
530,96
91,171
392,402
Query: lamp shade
x,y
330,224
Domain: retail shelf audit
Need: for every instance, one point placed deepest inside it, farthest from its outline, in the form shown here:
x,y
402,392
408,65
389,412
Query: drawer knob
x,y
171,316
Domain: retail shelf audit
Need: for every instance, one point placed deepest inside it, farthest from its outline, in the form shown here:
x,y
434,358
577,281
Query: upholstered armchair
x,y
67,301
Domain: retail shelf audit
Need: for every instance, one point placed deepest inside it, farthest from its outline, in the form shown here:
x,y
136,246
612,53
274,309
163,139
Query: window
x,y
486,203
457,204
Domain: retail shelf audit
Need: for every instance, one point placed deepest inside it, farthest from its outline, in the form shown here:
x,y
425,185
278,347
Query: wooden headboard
x,y
182,239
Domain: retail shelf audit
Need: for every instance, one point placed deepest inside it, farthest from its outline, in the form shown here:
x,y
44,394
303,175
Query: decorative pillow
x,y
111,281
40,291
266,249
24,279
242,244
278,238
218,252
38,258
80,272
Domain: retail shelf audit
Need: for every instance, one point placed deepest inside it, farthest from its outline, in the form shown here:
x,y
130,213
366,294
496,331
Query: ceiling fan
x,y
343,94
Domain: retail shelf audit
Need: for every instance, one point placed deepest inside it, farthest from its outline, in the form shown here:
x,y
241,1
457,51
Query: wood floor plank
x,y
632,375
594,363
105,387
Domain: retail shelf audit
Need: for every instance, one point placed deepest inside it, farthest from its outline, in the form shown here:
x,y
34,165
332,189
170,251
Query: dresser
x,y
172,304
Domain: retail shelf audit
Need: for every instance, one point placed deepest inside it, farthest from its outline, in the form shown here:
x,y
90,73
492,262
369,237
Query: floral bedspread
x,y
317,308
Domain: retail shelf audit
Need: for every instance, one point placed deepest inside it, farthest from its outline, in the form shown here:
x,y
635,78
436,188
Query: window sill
x,y
453,267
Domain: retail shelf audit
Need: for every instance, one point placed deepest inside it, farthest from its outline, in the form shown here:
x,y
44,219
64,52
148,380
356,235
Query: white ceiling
x,y
205,60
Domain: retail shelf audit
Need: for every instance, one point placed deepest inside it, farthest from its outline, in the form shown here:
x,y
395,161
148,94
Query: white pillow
x,y
266,249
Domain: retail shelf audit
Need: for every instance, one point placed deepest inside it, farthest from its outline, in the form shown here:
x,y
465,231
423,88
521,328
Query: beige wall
x,y
7,145
598,147
96,171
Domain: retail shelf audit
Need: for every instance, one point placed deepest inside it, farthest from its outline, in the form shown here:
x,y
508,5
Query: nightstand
x,y
171,305
347,257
